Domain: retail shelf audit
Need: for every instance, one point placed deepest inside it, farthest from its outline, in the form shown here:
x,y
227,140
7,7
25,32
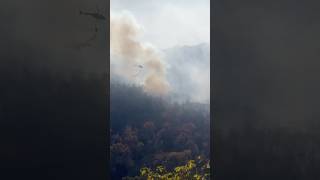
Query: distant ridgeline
x,y
149,131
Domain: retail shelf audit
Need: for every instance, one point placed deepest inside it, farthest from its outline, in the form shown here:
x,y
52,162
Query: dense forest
x,y
148,131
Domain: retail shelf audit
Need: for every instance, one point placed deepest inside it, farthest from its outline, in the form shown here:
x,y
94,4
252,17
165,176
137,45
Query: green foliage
x,y
192,170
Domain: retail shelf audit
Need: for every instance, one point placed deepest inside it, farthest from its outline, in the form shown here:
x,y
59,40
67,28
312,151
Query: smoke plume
x,y
134,60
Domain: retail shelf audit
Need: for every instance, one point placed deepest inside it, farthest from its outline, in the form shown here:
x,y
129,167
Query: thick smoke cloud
x,y
183,22
133,60
189,72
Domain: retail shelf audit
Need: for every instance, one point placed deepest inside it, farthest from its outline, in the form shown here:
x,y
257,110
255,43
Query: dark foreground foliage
x,y
192,170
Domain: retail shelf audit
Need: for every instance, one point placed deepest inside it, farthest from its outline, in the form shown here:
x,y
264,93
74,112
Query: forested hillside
x,y
148,131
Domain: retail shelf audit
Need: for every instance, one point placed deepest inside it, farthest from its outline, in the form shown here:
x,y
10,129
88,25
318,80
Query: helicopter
x,y
95,15
140,66
139,71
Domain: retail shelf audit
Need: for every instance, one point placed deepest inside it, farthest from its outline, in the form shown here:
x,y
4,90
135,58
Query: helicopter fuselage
x,y
94,15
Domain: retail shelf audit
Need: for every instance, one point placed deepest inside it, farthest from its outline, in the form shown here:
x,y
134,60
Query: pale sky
x,y
169,23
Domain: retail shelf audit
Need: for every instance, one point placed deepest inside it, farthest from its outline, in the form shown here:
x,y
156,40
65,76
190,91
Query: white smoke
x,y
133,60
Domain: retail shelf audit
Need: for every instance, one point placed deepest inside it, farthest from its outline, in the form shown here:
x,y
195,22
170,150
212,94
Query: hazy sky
x,y
168,23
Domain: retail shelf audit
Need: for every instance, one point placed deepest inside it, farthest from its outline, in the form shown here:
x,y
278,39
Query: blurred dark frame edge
x,y
108,91
14,164
212,68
